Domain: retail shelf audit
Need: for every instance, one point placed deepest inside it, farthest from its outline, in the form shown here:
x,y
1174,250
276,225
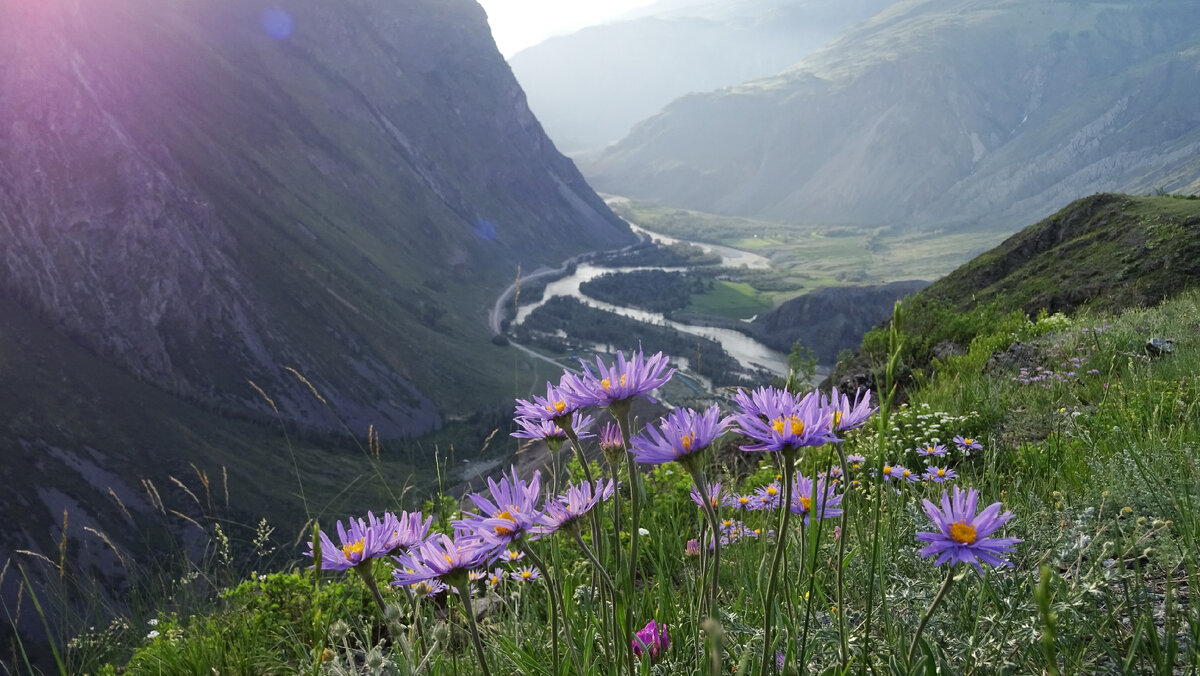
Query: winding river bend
x,y
748,352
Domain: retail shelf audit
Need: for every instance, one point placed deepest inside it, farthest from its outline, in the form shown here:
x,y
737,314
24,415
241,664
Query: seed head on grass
x,y
962,534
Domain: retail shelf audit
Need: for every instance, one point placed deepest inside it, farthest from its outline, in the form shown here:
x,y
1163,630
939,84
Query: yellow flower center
x,y
687,440
743,500
907,473
887,469
558,407
964,533
792,423
772,491
353,549
727,523
837,418
526,574
805,503
968,441
941,472
505,530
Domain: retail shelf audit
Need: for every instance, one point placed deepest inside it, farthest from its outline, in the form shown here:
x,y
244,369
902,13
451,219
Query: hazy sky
x,y
517,24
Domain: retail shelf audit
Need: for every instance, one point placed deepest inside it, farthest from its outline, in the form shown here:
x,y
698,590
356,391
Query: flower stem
x,y
713,524
841,563
620,411
816,518
768,655
364,572
912,648
464,593
557,607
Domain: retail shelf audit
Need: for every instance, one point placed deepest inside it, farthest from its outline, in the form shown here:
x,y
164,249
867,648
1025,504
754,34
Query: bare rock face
x,y
227,197
105,236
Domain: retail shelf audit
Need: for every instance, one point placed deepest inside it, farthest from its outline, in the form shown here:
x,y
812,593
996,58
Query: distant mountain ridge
x,y
590,87
938,112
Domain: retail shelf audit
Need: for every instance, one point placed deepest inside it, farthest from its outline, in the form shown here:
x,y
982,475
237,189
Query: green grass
x,y
731,299
1100,468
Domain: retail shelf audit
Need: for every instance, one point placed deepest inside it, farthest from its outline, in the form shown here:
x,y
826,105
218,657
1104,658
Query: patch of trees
x,y
677,255
564,315
652,290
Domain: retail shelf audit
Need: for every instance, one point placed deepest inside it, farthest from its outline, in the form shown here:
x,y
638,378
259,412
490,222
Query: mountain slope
x,y
943,112
590,87
233,239
207,194
1106,253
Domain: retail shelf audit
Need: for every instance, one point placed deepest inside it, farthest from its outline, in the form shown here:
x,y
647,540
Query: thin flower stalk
x,y
844,644
620,411
768,651
464,594
557,608
941,594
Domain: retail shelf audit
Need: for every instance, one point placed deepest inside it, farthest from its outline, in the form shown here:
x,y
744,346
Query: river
x,y
750,353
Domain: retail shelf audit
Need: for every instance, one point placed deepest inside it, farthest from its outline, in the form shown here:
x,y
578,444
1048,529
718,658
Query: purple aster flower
x,y
680,435
802,499
620,382
402,533
610,437
893,472
963,535
651,639
848,414
855,461
940,474
512,556
742,502
556,404
767,497
756,402
715,497
932,450
781,421
525,574
360,544
508,513
441,558
551,431
495,577
967,444
565,510
908,475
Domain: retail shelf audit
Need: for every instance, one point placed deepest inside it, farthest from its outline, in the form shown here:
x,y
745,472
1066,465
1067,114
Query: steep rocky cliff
x,y
208,194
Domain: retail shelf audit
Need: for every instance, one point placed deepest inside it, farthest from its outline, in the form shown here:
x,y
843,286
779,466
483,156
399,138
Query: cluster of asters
x,y
513,513
427,563
934,454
